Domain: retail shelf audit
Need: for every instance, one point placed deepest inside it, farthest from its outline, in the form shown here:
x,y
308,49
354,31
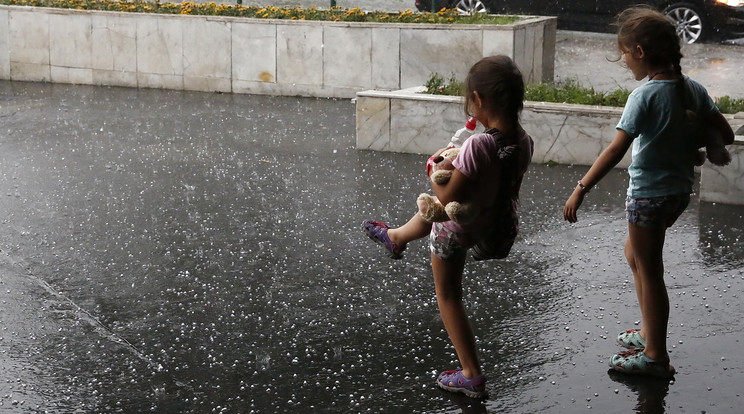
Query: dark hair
x,y
646,27
500,85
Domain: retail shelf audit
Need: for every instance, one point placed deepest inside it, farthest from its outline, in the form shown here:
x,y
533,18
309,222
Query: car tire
x,y
692,25
468,7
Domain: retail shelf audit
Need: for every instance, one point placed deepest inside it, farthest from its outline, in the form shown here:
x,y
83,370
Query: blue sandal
x,y
631,339
377,231
635,362
454,381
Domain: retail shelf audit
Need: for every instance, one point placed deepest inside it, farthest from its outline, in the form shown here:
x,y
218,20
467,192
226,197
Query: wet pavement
x,y
182,252
591,59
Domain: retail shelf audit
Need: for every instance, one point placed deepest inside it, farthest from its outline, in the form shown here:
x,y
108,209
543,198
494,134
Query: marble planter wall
x,y
277,57
408,121
725,184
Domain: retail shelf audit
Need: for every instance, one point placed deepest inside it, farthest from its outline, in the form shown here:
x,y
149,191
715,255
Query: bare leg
x,y
414,229
448,283
630,257
647,246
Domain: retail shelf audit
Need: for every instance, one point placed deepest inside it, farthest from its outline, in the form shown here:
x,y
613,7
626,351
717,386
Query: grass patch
x,y
569,92
728,105
336,14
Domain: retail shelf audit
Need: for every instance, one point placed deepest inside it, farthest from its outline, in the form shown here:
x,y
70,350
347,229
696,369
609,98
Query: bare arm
x,y
456,189
607,160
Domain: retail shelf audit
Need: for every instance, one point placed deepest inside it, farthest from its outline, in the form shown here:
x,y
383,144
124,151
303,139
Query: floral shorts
x,y
656,211
447,244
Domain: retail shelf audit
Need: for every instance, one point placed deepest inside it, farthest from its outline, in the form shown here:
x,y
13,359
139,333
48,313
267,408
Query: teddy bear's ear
x,y
450,153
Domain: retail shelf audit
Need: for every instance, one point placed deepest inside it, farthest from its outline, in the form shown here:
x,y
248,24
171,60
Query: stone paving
x,y
171,251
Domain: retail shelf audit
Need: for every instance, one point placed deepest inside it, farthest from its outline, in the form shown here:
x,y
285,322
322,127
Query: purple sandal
x,y
377,231
454,381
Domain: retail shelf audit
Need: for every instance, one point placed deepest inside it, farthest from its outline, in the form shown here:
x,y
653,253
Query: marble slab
x,y
31,72
725,184
29,45
229,54
571,134
299,54
207,55
347,59
498,42
4,45
428,136
160,46
385,58
442,51
115,47
373,124
79,76
253,52
70,38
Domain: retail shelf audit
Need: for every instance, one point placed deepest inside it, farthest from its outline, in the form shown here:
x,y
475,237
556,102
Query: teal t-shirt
x,y
664,148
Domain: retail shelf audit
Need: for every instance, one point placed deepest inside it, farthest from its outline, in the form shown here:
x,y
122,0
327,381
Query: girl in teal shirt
x,y
656,122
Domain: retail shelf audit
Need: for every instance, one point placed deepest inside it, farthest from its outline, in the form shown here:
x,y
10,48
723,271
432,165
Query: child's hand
x,y
572,206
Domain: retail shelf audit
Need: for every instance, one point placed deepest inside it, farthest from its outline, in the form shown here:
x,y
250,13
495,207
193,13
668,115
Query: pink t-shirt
x,y
479,161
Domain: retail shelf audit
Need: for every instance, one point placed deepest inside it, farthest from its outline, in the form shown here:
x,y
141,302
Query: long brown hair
x,y
646,27
500,85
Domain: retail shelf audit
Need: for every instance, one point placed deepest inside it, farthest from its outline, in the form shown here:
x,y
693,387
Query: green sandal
x,y
631,339
635,362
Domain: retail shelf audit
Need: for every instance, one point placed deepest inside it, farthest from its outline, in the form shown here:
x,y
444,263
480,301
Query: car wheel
x,y
467,7
691,24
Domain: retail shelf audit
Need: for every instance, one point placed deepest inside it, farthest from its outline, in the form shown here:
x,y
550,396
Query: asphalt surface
x,y
165,251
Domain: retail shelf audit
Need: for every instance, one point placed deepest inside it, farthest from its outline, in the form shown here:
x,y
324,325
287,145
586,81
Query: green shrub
x,y
569,92
727,105
436,85
444,16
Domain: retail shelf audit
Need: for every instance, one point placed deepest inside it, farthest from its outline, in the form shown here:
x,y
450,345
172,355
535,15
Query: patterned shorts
x,y
656,211
447,244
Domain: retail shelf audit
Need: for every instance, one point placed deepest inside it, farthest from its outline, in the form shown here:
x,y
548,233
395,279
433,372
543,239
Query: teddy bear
x,y
440,171
710,139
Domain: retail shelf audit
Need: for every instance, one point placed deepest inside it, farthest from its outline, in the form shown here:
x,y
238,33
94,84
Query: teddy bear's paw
x,y
423,203
441,176
461,213
430,209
